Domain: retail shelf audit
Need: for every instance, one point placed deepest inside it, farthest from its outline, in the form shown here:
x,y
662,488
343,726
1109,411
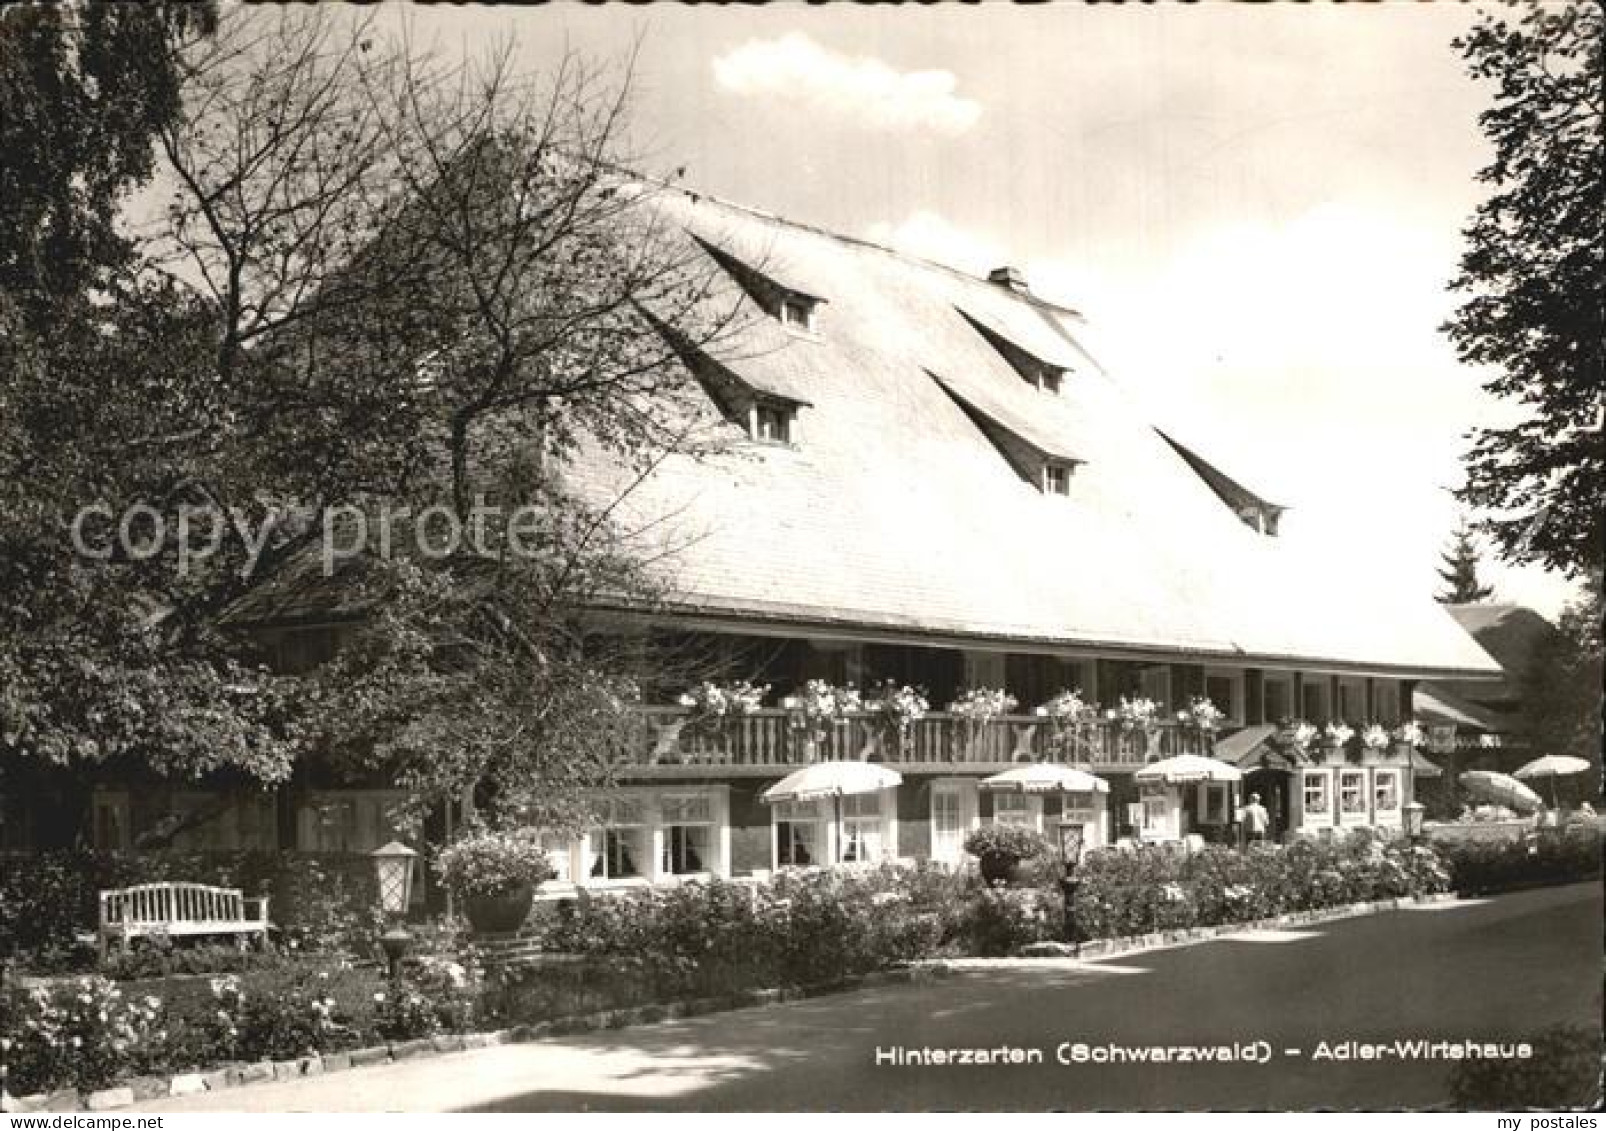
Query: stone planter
x,y
1401,751
998,869
501,913
1332,755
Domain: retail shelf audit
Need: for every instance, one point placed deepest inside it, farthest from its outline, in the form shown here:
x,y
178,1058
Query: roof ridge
x,y
697,195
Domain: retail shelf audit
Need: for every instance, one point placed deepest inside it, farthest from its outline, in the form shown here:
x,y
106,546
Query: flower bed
x,y
87,1032
700,940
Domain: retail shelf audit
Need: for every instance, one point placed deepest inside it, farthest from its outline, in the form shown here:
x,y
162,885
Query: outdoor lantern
x,y
393,868
1413,820
1071,843
1071,854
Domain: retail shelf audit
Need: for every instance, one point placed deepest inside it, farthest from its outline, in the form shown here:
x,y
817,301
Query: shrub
x,y
157,956
1557,857
1563,1073
1003,920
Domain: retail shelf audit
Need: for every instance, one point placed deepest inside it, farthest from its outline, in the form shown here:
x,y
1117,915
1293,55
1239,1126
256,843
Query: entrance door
x,y
1275,794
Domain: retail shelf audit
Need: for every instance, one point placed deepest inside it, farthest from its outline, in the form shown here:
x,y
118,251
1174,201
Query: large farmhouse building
x,y
931,482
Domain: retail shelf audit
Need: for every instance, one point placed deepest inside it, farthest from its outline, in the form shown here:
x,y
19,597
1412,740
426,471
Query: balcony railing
x,y
775,737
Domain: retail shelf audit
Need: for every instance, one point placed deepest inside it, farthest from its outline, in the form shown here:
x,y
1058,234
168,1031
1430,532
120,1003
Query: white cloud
x,y
863,87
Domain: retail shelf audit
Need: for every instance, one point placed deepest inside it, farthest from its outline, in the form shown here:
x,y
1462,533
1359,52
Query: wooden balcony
x,y
774,737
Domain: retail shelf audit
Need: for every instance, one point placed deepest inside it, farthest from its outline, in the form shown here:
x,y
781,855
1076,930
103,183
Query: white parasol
x,y
1552,766
1502,789
1044,777
1186,768
832,779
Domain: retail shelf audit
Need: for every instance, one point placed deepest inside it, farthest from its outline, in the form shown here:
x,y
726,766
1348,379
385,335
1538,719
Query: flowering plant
x,y
1409,732
1375,737
982,704
1069,707
715,701
899,708
494,863
1303,734
1336,734
1068,713
1201,713
817,704
818,701
1137,713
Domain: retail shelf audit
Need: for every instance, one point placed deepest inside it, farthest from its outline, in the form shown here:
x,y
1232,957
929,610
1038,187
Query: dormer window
x,y
1045,376
772,422
796,312
781,300
1056,478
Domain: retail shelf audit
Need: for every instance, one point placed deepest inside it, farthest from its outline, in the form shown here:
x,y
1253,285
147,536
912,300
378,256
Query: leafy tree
x,y
1460,572
1561,685
379,284
1532,274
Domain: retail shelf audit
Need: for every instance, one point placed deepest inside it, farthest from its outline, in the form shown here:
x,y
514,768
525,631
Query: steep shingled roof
x,y
894,511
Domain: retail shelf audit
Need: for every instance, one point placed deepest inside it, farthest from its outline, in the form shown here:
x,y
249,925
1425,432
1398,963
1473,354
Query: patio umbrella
x,y
1502,789
831,779
1186,768
1552,766
1044,777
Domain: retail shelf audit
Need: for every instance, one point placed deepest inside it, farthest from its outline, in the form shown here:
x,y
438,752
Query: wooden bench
x,y
179,910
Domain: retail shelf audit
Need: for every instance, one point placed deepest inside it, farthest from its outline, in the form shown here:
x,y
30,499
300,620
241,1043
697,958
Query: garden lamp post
x,y
393,869
1070,857
1413,822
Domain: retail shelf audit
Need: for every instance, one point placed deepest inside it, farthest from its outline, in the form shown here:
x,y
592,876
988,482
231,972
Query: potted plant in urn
x,y
1000,849
495,873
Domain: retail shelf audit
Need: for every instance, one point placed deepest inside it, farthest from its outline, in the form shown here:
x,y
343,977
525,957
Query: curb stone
x,y
186,1084
377,1054
108,1098
401,1050
150,1087
336,1061
215,1081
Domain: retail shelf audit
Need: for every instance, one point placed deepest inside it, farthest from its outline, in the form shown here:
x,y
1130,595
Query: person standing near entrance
x,y
1256,820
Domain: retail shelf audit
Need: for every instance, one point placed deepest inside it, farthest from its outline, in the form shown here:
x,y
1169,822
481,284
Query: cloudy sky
x,y
1256,207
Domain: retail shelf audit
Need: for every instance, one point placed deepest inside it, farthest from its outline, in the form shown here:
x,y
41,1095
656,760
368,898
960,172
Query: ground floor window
x,y
621,849
800,835
862,828
689,834
1213,803
1317,802
1017,809
1352,794
1386,791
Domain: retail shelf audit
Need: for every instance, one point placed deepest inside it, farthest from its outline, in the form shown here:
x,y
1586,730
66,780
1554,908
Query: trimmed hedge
x,y
1552,856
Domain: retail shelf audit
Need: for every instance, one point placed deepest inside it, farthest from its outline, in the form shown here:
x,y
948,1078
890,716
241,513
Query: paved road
x,y
1487,969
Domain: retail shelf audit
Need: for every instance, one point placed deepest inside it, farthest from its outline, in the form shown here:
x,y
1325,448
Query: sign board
x,y
1441,738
